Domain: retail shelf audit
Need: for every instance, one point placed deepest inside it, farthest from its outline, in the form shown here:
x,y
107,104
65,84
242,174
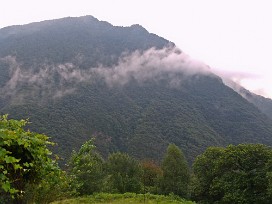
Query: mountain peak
x,y
56,73
138,27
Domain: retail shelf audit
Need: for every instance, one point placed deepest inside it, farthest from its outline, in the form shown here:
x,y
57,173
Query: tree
x,y
55,185
204,172
176,173
24,158
235,174
124,173
86,169
151,175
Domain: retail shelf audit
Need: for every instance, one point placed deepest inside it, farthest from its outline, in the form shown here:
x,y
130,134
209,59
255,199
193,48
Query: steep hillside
x,y
264,104
72,39
79,77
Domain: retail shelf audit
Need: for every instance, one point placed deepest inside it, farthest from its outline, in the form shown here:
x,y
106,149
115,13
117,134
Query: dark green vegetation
x,y
131,198
264,104
121,173
61,41
124,173
24,159
29,175
236,174
73,80
176,173
43,66
86,168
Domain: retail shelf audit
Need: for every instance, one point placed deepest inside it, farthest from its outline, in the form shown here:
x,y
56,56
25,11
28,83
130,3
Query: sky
x,y
233,37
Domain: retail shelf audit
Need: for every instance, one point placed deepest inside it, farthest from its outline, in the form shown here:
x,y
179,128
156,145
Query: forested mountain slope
x,y
134,91
262,103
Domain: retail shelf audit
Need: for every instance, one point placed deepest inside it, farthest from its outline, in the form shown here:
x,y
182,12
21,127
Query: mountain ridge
x,y
161,95
264,104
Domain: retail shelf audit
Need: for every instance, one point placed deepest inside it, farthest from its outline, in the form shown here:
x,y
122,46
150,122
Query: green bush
x,y
24,158
235,174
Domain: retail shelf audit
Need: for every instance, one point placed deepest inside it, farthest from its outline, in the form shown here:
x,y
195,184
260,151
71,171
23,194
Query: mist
x,y
58,80
236,81
42,80
152,65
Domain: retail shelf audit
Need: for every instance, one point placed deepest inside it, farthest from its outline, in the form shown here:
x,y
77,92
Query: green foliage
x,y
176,174
86,169
124,173
86,36
264,104
131,198
141,119
24,157
55,185
236,174
151,176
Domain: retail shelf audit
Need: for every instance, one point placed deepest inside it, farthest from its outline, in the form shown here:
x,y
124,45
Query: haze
x,y
232,37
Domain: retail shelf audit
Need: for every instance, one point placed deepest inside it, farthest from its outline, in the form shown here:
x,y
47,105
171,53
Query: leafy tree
x,y
176,173
124,173
24,158
151,175
55,185
235,174
86,169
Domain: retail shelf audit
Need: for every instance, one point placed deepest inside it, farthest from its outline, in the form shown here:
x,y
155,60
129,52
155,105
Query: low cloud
x,y
237,77
242,82
47,80
152,65
41,80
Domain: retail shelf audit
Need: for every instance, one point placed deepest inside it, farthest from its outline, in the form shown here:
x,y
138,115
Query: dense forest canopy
x,y
133,90
129,112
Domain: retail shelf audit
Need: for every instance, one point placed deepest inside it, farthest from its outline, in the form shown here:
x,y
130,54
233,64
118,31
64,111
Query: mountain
x,y
62,40
77,78
262,103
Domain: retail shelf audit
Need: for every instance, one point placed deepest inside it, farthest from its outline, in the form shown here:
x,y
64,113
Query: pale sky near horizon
x,y
233,37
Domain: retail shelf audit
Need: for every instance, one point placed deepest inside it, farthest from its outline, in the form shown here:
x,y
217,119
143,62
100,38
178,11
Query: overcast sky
x,y
232,36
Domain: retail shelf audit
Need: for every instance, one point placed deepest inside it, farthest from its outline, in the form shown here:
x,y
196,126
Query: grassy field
x,y
127,198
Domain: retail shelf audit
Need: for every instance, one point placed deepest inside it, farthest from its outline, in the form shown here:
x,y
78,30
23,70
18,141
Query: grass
x,y
127,198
